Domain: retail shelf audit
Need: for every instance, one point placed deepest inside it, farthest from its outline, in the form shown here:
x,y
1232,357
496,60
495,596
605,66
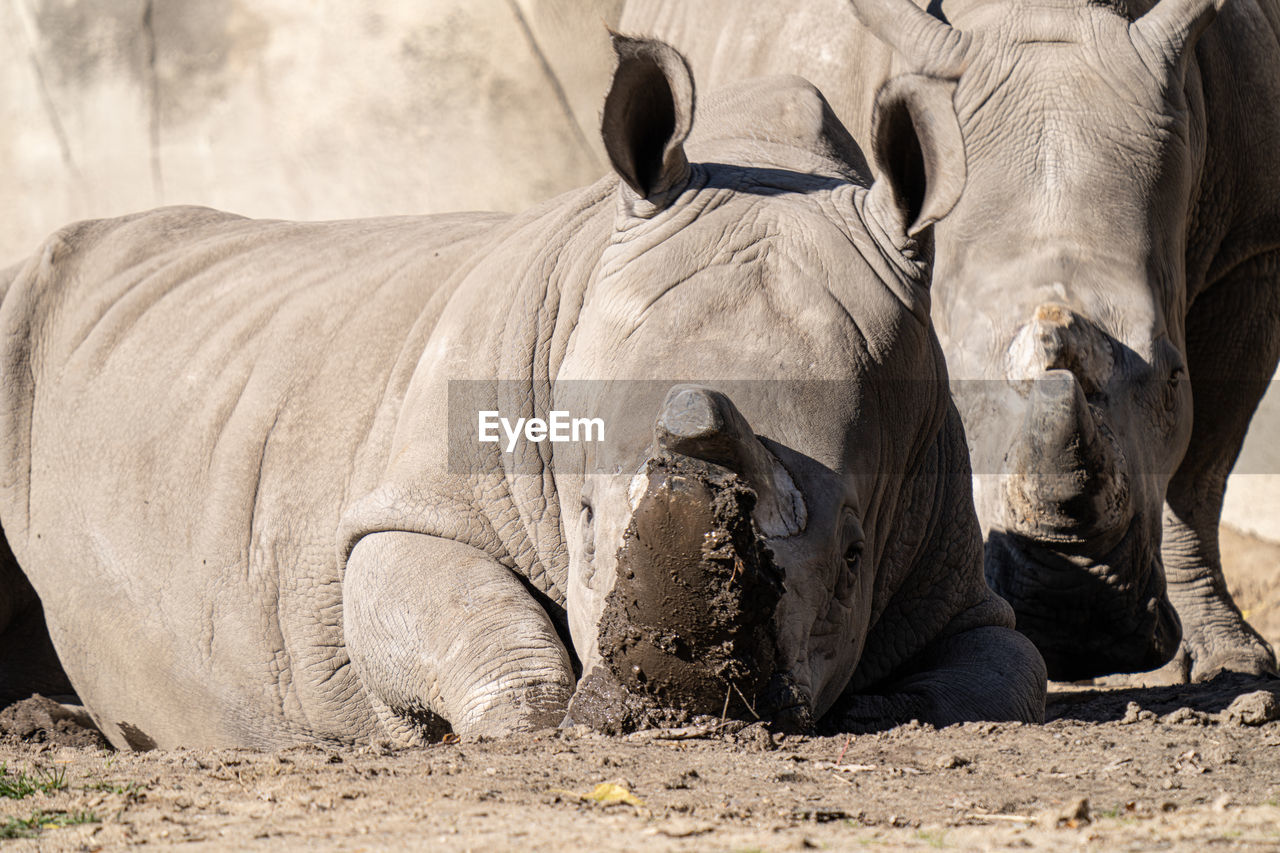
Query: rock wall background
x,y
280,108
331,109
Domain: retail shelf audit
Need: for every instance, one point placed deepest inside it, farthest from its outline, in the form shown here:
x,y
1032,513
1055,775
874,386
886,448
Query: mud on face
x,y
689,627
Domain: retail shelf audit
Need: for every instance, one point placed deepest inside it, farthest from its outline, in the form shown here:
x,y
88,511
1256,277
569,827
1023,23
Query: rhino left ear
x,y
647,117
918,149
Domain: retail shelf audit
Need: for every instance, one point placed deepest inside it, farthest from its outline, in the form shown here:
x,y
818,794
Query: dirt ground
x,y
1189,768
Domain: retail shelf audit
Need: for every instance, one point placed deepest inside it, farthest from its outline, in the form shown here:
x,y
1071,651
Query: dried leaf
x,y
609,794
606,794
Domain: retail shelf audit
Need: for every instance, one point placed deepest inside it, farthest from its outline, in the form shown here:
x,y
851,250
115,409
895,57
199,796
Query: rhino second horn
x,y
702,423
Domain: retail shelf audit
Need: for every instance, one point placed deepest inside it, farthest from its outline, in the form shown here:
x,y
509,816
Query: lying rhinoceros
x,y
1106,289
232,475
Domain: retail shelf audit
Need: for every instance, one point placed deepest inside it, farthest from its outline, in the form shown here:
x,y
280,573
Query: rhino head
x,y
739,339
1059,299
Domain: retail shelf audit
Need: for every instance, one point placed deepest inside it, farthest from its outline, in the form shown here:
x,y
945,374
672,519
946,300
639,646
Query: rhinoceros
x,y
1105,289
234,476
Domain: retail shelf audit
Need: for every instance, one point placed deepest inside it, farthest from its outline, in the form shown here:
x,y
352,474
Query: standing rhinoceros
x,y
1110,280
231,478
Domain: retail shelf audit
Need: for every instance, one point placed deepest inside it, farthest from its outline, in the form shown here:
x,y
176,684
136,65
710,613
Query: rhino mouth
x,y
1084,615
689,628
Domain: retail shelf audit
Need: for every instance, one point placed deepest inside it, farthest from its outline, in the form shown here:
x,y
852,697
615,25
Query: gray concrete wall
x,y
282,108
1252,502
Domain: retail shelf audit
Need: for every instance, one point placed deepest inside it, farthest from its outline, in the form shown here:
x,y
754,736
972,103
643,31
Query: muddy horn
x,y
690,622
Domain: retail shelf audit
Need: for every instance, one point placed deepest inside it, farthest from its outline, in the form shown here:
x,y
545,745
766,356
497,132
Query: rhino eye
x,y
853,557
1171,388
586,531
851,537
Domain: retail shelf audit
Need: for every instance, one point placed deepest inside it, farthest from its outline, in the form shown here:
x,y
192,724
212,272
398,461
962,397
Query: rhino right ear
x,y
918,150
647,117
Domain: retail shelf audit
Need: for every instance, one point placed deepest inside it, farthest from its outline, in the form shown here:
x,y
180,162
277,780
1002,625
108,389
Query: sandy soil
x,y
1191,768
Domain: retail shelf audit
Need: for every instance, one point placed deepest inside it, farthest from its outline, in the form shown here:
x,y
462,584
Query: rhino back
x,y
191,399
504,336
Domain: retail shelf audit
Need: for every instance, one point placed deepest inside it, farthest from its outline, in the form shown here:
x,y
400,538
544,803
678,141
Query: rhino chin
x,y
1085,620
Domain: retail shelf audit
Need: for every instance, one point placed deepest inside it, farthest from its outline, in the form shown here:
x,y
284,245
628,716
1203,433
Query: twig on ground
x,y
683,733
845,749
1020,818
744,701
846,768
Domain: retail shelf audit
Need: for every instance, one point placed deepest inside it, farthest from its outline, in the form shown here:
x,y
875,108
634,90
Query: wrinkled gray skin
x,y
225,470
1108,279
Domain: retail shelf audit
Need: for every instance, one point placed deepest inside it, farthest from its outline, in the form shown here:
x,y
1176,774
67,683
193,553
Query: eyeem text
x,y
559,426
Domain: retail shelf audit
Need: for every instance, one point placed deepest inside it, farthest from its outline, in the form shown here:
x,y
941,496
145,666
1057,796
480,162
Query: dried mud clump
x,y
40,719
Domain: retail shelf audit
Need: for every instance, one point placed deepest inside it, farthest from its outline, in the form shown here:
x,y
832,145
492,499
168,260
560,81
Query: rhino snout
x,y
691,620
1087,618
690,624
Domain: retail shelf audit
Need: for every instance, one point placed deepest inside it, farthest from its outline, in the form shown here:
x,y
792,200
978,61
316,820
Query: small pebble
x,y
951,762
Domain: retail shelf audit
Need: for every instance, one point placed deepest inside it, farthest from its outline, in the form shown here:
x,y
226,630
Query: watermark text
x,y
559,426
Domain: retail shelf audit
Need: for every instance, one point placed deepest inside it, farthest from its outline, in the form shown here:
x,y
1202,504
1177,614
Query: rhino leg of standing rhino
x,y
441,635
987,673
1232,350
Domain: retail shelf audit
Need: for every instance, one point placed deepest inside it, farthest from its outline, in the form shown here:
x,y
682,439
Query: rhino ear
x,y
647,116
918,150
1165,35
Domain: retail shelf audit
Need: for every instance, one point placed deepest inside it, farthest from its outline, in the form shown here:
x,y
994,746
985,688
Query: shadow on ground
x,y
1091,704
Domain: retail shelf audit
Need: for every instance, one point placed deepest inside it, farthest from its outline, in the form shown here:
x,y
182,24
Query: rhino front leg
x,y
989,674
1232,349
439,632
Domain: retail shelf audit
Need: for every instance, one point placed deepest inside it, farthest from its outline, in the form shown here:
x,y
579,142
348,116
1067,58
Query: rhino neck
x,y
920,549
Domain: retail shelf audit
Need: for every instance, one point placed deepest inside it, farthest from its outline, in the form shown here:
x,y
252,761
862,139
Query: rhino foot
x,y
1225,643
1217,639
989,673
1208,654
